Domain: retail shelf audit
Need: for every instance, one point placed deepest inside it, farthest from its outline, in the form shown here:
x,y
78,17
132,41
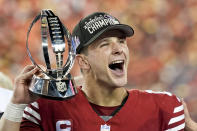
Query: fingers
x,y
31,73
31,70
28,68
31,67
42,67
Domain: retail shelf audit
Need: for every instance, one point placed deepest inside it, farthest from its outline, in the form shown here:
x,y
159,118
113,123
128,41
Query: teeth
x,y
117,62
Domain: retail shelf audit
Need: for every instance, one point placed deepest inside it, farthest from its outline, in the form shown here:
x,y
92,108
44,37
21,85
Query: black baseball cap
x,y
94,25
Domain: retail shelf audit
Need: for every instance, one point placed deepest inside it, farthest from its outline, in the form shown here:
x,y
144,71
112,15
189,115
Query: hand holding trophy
x,y
56,83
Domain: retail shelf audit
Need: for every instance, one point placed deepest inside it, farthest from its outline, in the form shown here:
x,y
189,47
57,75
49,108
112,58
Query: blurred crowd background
x,y
163,51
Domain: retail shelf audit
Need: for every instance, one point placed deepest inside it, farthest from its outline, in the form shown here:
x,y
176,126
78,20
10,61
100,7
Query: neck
x,y
103,95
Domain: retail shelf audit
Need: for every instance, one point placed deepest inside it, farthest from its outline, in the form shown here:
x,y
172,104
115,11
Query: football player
x,y
102,103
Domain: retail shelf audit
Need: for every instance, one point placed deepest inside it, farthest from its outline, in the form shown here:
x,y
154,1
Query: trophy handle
x,y
27,46
44,40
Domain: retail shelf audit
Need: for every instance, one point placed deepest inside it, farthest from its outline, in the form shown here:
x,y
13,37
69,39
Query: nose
x,y
116,48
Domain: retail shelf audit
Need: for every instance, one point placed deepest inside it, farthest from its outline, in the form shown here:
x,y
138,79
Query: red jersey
x,y
143,111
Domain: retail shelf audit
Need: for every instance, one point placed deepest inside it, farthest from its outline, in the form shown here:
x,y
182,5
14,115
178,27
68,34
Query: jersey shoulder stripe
x,y
31,113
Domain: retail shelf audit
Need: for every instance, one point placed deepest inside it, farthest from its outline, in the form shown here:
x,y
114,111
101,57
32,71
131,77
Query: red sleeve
x,y
31,118
27,125
171,111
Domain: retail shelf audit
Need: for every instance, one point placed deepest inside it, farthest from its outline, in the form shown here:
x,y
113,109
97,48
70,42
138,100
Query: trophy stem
x,y
59,64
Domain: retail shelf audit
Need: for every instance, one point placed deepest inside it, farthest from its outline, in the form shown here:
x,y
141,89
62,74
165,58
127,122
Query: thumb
x,y
186,112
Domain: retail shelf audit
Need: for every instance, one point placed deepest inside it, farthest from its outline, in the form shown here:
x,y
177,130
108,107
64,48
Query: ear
x,y
82,61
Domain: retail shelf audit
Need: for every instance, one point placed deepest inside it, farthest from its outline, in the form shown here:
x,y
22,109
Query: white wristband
x,y
14,112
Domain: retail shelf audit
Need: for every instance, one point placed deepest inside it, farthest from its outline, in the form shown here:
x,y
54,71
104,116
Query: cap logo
x,y
99,22
75,42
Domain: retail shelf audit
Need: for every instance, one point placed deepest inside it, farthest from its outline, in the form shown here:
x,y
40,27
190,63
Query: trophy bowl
x,y
55,83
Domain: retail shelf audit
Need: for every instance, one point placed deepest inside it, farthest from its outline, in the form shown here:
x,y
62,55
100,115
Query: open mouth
x,y
117,66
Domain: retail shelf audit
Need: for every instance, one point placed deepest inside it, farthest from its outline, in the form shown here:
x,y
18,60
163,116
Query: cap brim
x,y
127,31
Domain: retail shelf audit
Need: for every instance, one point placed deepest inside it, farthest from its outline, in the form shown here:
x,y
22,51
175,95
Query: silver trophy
x,y
55,83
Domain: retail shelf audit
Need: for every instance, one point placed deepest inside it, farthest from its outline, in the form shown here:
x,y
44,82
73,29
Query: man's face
x,y
108,58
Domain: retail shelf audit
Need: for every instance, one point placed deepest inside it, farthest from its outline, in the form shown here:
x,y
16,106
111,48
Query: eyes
x,y
122,40
106,42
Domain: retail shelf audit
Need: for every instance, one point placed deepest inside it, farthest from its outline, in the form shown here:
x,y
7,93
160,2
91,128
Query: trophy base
x,y
53,89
